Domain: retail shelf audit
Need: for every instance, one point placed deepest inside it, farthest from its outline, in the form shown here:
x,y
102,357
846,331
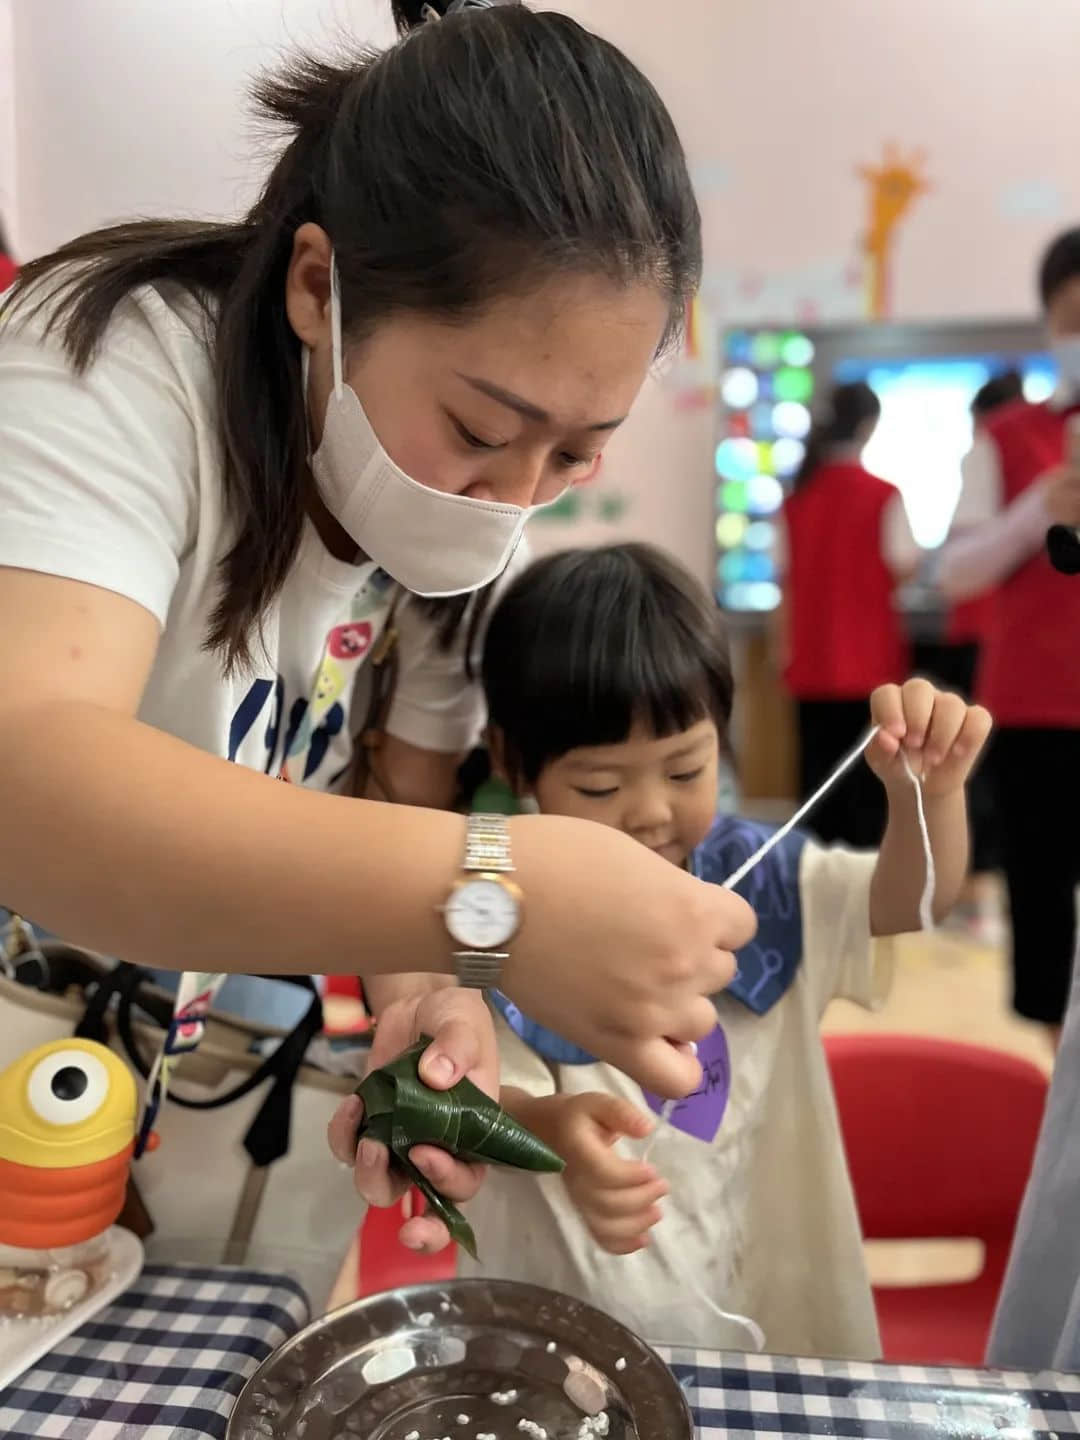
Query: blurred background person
x,y
844,545
956,666
1017,480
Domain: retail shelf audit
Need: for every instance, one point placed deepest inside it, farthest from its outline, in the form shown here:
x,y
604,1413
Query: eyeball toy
x,y
68,1112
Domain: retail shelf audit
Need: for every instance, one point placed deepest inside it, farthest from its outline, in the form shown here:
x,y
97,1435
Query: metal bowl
x,y
468,1360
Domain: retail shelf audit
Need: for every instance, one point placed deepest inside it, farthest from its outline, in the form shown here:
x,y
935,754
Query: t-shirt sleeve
x,y
436,705
98,473
842,960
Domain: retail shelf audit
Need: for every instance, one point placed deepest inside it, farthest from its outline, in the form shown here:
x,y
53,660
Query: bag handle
x,y
267,1138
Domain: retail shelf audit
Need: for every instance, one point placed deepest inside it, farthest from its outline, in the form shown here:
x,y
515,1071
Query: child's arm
x,y
942,737
616,1198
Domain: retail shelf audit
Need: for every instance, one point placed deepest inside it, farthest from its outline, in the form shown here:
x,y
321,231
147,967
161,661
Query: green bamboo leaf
x,y
400,1112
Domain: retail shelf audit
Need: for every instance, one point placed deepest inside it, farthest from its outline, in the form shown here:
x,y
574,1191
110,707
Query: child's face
x,y
661,792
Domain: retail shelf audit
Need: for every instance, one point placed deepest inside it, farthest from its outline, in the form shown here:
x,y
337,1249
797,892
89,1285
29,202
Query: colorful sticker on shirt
x,y
700,1114
347,646
768,964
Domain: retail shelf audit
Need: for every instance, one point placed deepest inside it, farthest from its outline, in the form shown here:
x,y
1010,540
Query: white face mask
x,y
1066,353
432,543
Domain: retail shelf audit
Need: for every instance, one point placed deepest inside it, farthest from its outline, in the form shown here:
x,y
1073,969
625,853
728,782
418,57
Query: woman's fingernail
x,y
440,1069
344,1165
367,1156
415,1245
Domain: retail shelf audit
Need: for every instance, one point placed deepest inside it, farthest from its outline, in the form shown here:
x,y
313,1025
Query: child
x,y
610,691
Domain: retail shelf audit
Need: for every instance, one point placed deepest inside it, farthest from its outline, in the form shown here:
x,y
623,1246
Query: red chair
x,y
385,1264
939,1138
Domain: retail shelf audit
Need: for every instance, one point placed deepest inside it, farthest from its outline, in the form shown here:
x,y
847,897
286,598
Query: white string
x,y
819,794
926,922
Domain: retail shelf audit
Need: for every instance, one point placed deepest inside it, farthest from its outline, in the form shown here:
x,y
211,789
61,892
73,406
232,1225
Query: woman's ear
x,y
307,286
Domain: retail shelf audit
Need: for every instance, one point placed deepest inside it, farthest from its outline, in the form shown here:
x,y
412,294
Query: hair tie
x,y
430,13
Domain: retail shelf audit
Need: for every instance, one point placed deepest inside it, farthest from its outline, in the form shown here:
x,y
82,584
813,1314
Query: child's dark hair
x,y
849,408
1059,265
588,643
484,153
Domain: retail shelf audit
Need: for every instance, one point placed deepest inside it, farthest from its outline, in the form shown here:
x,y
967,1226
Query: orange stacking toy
x,y
67,1131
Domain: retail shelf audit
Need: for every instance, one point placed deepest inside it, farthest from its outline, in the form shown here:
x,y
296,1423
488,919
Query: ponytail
x,y
849,408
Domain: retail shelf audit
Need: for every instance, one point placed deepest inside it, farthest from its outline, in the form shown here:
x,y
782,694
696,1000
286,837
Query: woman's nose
x,y
514,480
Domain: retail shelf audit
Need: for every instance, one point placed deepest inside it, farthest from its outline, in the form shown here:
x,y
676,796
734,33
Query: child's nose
x,y
650,809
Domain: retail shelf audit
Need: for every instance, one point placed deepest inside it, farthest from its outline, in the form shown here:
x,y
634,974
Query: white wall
x,y
134,108
125,106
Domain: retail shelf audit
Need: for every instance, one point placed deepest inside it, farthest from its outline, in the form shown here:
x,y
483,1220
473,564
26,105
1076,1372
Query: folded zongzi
x,y
400,1111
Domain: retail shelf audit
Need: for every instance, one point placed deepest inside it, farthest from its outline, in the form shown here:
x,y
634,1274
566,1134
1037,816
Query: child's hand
x,y
941,735
616,1198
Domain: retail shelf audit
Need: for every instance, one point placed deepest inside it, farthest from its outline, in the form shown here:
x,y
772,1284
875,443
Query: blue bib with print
x,y
766,967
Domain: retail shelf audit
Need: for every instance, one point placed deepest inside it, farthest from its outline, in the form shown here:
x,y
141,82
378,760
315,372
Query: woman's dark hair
x,y
1002,389
477,157
849,408
587,643
1059,265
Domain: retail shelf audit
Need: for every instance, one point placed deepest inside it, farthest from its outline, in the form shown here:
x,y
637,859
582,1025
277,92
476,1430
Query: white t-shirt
x,y
115,479
763,1219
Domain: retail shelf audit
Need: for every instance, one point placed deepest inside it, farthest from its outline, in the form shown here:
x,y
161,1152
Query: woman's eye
x,y
596,794
474,441
688,775
588,463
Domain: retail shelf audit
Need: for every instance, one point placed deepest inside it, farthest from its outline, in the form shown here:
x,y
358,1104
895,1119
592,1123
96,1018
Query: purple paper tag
x,y
700,1113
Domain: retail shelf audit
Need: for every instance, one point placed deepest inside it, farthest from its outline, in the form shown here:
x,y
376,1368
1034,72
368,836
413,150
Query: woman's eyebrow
x,y
526,407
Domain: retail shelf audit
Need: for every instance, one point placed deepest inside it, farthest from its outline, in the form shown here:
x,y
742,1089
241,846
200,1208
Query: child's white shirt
x,y
764,1218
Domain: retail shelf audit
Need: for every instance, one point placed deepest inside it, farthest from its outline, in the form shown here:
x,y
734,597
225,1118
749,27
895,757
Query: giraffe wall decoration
x,y
893,187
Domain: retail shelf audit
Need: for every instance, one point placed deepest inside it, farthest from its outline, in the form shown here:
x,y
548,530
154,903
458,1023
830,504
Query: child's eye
x,y
596,794
689,775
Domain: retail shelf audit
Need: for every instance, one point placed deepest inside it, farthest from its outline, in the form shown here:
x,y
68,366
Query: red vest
x,y
967,620
845,637
1029,675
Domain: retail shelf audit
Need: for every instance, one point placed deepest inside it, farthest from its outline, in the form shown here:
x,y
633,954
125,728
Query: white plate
x,y
22,1342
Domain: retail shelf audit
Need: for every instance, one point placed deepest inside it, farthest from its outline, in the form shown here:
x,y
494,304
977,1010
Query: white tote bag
x,y
251,1180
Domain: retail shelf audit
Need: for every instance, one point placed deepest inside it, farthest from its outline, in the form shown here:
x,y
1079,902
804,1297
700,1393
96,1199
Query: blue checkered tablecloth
x,y
763,1397
165,1361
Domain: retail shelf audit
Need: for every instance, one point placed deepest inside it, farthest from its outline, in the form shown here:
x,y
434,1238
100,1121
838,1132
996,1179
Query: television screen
x,y
926,378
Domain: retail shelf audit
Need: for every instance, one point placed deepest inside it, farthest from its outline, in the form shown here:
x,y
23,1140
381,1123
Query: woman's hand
x,y
620,950
940,733
463,1044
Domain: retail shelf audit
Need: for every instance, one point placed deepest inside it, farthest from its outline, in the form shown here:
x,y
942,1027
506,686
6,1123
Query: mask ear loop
x,y
335,329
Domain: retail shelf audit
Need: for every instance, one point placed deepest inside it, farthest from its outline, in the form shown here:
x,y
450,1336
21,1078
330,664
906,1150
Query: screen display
x,y
768,387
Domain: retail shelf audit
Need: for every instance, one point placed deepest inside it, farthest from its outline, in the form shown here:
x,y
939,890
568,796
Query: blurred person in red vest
x,y
8,268
845,544
957,667
1018,480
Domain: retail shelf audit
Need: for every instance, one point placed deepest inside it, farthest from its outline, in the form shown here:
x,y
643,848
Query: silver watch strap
x,y
479,969
487,844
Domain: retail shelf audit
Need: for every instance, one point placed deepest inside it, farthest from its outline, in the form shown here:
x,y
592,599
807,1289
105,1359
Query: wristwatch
x,y
483,911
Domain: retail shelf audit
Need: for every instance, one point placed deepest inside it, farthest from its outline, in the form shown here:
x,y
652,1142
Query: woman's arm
x,y
136,844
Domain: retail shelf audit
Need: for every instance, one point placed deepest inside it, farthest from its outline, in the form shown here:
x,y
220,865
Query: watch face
x,y
482,914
